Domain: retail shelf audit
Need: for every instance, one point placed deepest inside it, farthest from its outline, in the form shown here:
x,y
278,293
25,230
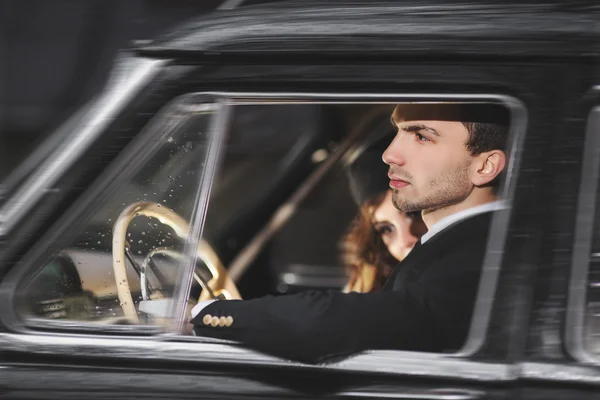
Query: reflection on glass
x,y
80,282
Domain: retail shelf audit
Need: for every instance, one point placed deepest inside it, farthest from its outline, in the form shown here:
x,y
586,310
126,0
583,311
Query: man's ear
x,y
489,165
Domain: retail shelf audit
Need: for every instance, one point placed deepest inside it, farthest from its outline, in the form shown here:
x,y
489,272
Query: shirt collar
x,y
461,215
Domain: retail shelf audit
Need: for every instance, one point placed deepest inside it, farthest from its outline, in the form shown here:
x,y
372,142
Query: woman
x,y
380,236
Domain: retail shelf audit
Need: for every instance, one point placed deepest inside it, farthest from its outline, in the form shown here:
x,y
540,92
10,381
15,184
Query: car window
x,y
307,252
129,248
298,236
268,153
283,213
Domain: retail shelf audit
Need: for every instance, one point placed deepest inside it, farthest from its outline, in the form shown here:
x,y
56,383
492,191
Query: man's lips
x,y
396,183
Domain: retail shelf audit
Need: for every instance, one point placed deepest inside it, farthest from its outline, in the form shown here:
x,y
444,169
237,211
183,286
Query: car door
x,y
122,360
562,340
168,164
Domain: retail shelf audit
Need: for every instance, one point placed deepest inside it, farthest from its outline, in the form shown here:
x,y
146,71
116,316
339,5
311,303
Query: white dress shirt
x,y
198,307
464,214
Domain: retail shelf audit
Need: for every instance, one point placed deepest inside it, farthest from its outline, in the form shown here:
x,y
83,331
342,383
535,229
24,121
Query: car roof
x,y
424,27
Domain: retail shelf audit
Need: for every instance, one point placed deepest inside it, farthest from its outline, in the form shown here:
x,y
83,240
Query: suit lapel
x,y
473,228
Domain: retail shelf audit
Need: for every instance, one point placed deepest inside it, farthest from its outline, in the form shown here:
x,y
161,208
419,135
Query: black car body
x,y
535,323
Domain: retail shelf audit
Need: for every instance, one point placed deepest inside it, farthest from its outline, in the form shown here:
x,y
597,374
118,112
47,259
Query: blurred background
x,y
56,54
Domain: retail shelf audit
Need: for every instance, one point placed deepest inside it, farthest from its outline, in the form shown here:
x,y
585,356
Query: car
x,y
213,165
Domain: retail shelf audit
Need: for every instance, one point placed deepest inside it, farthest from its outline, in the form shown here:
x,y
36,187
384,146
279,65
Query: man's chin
x,y
405,206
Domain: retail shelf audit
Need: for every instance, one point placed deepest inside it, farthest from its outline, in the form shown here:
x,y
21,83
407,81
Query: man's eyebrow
x,y
417,128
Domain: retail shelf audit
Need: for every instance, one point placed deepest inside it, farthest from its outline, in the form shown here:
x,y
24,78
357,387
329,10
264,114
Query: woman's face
x,y
398,231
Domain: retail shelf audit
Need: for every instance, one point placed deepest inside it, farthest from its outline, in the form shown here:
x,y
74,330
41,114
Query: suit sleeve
x,y
313,325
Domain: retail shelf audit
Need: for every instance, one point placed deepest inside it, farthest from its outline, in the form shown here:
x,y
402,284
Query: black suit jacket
x,y
425,305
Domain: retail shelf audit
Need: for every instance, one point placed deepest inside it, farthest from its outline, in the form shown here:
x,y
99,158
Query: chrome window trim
x,y
129,77
582,243
157,348
384,361
218,125
560,372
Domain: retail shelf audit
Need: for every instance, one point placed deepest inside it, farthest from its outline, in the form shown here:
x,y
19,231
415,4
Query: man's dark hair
x,y
485,137
487,124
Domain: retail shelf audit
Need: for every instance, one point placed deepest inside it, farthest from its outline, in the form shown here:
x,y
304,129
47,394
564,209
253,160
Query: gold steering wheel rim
x,y
220,284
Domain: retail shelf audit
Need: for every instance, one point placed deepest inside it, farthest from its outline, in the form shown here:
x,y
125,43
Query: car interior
x,y
278,205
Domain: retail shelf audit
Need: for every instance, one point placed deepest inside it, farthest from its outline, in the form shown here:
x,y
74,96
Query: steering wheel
x,y
219,286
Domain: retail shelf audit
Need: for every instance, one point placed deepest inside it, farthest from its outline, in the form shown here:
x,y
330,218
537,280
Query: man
x,y
445,160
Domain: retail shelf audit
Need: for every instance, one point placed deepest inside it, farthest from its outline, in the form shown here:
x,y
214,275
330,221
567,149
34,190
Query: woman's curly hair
x,y
363,253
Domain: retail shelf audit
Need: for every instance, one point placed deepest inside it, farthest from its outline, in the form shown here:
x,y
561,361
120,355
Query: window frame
x,y
582,243
120,170
169,346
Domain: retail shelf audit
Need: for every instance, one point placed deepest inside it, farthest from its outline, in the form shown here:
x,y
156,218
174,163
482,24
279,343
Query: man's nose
x,y
394,153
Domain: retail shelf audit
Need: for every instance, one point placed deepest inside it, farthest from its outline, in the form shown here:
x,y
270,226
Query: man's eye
x,y
421,138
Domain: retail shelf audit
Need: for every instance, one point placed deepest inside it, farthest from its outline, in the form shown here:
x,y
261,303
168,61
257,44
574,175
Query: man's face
x,y
430,166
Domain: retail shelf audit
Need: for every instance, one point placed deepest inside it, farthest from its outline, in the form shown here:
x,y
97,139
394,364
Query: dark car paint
x,y
530,300
386,29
